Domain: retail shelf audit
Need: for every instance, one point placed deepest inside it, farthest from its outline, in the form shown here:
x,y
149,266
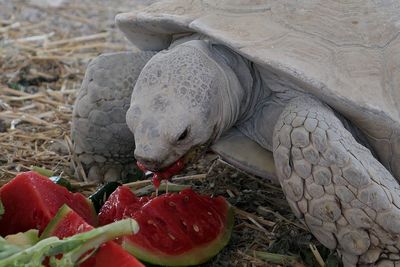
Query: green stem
x,y
32,255
7,249
100,236
72,247
42,171
150,188
275,258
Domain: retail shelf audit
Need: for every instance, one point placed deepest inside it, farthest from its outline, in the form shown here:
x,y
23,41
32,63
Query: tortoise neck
x,y
243,91
238,86
226,87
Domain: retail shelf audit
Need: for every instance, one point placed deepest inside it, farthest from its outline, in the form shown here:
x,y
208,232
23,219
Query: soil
x,y
45,47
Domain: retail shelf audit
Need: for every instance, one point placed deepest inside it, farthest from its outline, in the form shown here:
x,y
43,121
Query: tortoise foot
x,y
100,169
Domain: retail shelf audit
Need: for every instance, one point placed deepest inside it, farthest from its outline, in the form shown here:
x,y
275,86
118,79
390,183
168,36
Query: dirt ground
x,y
44,49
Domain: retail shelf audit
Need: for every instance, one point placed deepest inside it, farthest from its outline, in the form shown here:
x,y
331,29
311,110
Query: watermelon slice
x,y
112,254
122,203
31,200
178,229
67,223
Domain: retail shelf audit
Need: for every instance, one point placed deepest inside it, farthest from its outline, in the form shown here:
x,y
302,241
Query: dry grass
x,y
43,58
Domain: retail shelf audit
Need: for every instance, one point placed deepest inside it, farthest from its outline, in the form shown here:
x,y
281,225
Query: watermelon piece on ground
x,y
120,204
112,254
67,223
178,229
31,200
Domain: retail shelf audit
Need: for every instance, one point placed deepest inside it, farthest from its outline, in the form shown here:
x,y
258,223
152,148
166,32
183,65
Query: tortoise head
x,y
174,107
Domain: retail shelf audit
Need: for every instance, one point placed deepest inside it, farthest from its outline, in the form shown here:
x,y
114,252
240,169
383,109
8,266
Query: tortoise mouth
x,y
167,172
191,156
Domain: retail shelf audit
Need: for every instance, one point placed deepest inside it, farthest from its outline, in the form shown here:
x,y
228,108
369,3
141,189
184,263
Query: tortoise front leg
x,y
346,197
102,141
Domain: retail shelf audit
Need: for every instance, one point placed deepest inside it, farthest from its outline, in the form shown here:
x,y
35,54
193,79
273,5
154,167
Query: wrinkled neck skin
x,y
238,99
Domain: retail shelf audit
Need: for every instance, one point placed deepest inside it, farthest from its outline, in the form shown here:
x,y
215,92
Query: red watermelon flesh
x,y
120,204
175,229
31,200
67,223
112,254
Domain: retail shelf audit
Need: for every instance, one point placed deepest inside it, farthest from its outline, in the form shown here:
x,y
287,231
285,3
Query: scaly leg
x,y
345,196
101,139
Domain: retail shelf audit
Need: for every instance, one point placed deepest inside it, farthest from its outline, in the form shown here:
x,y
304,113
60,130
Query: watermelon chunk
x,y
178,229
67,223
112,254
122,203
31,200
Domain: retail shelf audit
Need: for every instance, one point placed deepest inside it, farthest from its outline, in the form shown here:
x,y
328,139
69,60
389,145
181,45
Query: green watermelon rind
x,y
93,212
52,225
191,257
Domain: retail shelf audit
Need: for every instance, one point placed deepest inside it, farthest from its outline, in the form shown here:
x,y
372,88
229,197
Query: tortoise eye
x,y
183,135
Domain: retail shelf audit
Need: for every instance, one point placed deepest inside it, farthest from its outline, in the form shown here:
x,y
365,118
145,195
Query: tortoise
x,y
304,93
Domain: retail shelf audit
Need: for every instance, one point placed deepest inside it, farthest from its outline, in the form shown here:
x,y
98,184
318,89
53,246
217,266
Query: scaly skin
x,y
345,196
102,141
